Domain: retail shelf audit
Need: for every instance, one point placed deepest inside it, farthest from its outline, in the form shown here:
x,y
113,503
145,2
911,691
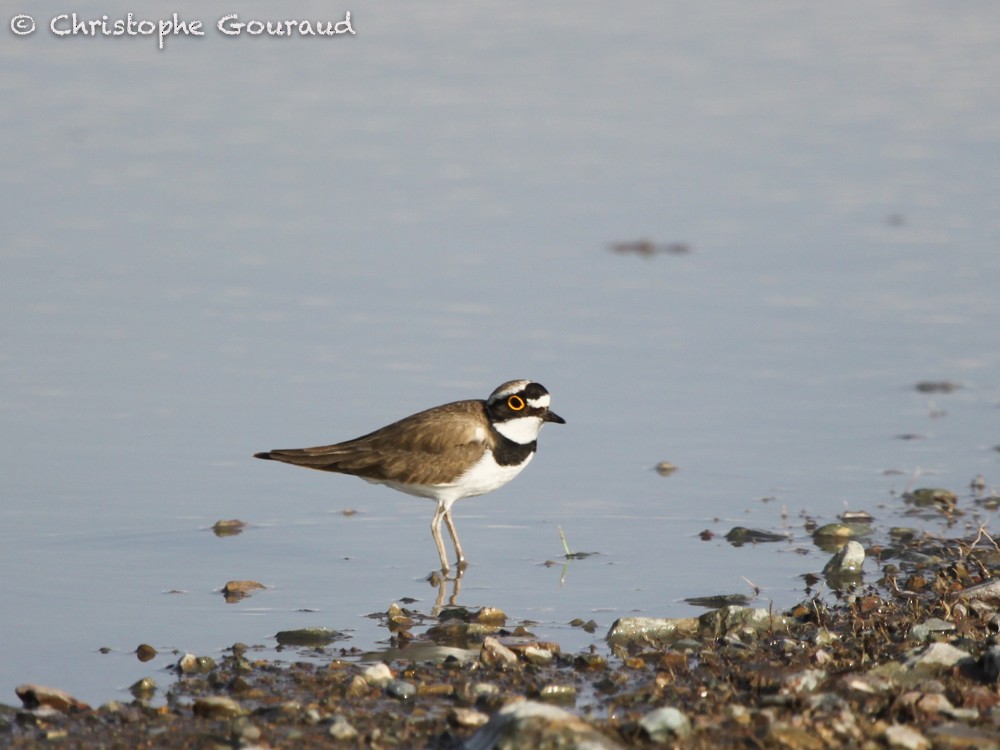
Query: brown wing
x,y
409,450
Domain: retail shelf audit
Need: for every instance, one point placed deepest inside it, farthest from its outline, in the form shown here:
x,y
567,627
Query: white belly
x,y
484,476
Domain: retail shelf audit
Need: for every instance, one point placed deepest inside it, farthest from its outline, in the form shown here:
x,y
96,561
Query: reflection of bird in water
x,y
648,248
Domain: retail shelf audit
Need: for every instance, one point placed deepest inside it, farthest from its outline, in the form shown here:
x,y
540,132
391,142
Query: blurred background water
x,y
242,243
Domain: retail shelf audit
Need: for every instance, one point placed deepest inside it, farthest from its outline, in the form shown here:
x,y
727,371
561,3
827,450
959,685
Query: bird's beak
x,y
551,416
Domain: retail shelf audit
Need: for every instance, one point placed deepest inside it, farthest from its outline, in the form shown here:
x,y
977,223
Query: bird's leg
x,y
462,563
436,533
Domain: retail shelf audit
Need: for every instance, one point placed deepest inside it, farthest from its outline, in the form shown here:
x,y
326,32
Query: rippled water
x,y
237,244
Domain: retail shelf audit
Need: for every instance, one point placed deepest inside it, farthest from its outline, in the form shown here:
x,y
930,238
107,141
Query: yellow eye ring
x,y
516,403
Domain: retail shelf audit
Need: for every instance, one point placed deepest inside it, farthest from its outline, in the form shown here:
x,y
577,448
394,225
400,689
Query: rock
x,y
739,535
313,637
741,621
528,724
216,707
805,681
988,590
905,738
143,690
558,693
342,730
234,591
938,656
377,675
538,656
665,468
955,736
401,689
847,561
232,527
144,652
467,717
495,654
650,630
664,724
932,496
34,696
191,664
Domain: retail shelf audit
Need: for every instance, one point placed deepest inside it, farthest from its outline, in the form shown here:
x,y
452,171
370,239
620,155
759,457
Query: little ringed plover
x,y
457,450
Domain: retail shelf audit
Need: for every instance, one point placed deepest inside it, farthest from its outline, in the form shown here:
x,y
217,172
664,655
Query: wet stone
x,y
494,654
530,724
377,675
342,730
739,535
234,591
216,707
143,690
144,652
35,696
401,689
665,724
848,561
313,637
191,664
232,527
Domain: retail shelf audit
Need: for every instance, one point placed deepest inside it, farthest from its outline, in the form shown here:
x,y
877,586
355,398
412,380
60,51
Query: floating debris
x,y
937,386
856,516
648,248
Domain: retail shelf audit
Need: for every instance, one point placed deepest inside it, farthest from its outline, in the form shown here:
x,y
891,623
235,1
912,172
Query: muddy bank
x,y
907,656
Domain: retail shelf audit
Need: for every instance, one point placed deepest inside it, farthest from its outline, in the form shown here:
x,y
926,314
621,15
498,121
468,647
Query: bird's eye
x,y
516,403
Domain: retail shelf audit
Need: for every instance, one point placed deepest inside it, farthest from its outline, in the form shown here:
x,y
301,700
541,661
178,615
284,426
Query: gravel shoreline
x,y
906,657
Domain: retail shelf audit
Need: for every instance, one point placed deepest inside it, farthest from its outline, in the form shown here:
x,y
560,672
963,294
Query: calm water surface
x,y
238,244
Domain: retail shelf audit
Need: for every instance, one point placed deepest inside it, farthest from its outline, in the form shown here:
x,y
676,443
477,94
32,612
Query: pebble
x,y
905,738
529,724
401,689
938,656
191,664
650,630
342,730
664,724
143,690
495,654
467,717
313,637
216,707
377,675
34,696
742,621
847,561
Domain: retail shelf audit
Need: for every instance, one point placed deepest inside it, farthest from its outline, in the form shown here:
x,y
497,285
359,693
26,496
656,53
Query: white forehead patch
x,y
509,389
522,430
542,402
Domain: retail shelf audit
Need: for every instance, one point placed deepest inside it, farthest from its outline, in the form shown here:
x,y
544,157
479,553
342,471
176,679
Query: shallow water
x,y
234,245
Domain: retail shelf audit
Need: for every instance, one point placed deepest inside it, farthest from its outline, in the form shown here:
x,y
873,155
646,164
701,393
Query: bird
x,y
446,453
